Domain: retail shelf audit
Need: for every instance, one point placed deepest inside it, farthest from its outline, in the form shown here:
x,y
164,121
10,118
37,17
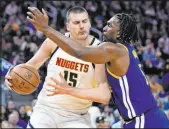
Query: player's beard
x,y
105,39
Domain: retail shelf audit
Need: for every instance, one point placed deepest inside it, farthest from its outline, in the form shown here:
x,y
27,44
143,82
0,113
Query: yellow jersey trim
x,y
115,76
124,46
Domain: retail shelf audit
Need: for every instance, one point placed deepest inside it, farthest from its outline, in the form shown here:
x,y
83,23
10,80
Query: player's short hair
x,y
75,10
128,28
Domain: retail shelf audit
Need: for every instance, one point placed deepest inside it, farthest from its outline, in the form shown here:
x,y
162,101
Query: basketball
x,y
25,79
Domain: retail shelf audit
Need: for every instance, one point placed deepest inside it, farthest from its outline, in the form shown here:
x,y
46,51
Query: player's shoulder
x,y
49,41
49,45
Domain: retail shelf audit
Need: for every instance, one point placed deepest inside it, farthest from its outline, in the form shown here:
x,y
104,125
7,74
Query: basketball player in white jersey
x,y
65,111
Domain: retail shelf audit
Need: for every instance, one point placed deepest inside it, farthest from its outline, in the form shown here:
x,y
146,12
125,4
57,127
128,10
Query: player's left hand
x,y
37,18
59,87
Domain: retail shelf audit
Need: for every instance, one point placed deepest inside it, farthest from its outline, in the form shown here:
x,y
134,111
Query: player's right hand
x,y
8,78
60,87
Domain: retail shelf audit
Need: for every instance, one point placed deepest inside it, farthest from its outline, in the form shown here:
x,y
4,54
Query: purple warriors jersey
x,y
131,92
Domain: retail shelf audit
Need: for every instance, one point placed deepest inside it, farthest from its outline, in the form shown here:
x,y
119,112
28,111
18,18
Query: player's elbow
x,y
105,92
106,98
82,53
79,55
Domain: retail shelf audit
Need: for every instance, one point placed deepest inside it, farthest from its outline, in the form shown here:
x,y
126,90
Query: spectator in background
x,y
155,86
163,47
149,68
150,53
14,119
100,122
3,93
94,113
11,8
10,107
107,123
22,114
107,113
4,115
9,97
6,124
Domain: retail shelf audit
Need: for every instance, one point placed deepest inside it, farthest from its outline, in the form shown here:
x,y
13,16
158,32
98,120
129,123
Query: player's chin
x,y
83,37
104,33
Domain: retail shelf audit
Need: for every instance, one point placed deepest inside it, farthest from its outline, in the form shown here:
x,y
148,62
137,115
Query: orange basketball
x,y
25,79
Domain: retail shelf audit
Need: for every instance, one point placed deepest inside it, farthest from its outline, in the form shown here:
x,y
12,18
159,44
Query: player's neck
x,y
85,42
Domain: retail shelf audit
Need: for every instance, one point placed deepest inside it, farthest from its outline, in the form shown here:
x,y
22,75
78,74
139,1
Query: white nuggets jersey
x,y
77,73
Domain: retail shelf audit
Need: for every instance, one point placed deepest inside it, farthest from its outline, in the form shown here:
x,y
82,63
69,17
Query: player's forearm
x,y
68,45
37,60
93,94
42,54
34,63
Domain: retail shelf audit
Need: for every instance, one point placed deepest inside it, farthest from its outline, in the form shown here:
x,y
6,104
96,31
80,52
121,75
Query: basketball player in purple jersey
x,y
131,90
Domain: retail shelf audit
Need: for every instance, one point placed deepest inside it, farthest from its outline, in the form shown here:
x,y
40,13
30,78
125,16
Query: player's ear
x,y
118,35
89,22
67,27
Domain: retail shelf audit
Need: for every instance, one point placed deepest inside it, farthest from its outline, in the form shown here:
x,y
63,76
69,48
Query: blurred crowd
x,y
20,41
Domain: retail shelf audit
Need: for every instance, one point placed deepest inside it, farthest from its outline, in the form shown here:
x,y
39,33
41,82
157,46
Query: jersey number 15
x,y
71,78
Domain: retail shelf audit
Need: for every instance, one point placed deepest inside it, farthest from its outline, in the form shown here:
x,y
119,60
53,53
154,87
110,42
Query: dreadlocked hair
x,y
128,28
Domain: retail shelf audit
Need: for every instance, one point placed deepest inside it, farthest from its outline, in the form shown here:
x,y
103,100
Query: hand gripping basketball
x,y
23,79
8,78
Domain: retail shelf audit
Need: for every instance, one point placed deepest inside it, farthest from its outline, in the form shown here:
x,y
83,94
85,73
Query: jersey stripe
x,y
128,96
92,41
91,45
125,98
137,125
54,52
142,121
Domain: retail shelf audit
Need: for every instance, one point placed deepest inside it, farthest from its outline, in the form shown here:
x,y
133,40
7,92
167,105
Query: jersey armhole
x,y
54,52
92,41
91,45
112,74
124,47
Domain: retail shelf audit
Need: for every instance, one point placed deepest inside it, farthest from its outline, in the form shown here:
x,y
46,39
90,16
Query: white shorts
x,y
49,117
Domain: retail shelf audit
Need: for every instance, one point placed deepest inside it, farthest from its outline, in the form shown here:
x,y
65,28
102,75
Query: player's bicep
x,y
42,54
101,54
